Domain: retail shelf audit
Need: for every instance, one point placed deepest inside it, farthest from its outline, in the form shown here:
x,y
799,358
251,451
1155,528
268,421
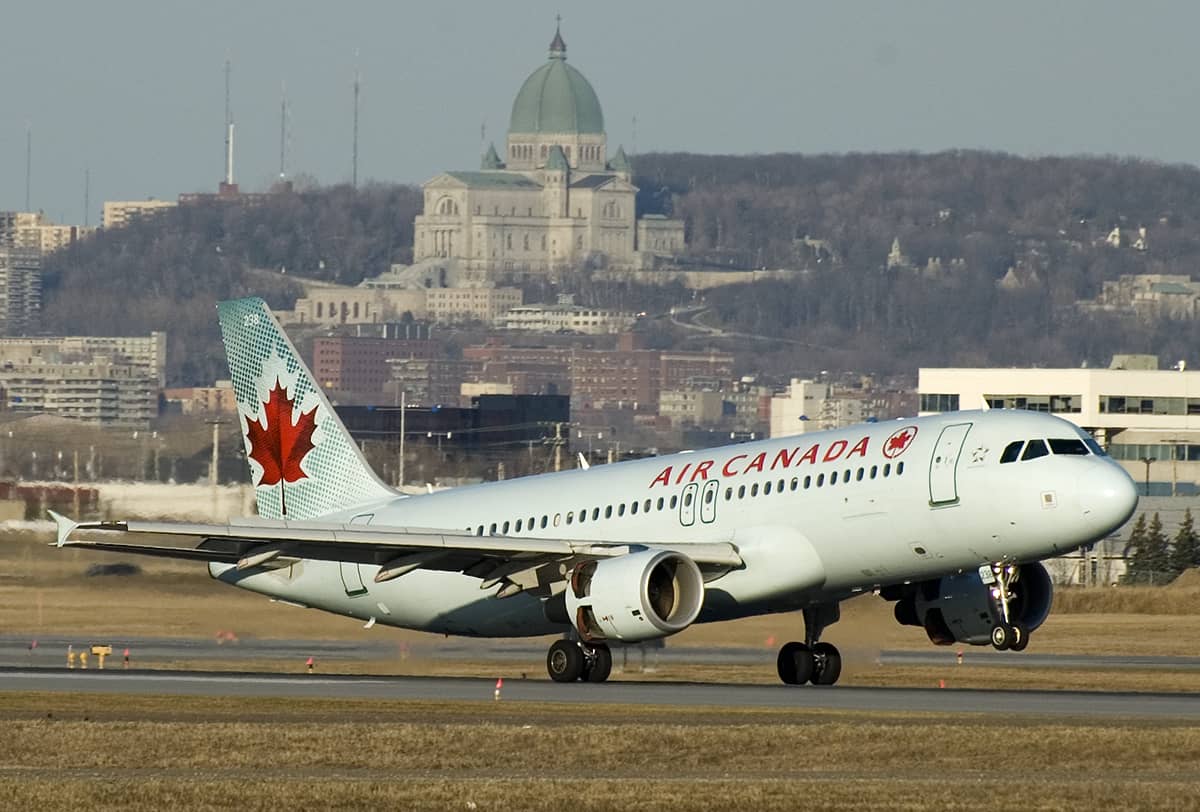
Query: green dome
x,y
556,98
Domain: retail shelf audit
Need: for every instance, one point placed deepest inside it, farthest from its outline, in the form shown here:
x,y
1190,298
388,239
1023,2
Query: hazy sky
x,y
134,91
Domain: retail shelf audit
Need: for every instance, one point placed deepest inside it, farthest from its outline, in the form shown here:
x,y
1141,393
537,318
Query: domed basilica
x,y
556,200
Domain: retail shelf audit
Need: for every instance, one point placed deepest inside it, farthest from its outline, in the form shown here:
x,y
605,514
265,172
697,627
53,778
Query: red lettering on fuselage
x,y
701,471
860,448
725,469
834,451
682,473
784,457
664,477
756,464
810,455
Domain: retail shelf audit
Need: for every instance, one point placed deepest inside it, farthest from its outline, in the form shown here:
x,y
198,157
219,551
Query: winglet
x,y
65,526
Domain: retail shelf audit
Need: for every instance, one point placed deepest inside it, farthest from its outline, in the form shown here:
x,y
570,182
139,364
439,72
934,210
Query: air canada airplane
x,y
947,516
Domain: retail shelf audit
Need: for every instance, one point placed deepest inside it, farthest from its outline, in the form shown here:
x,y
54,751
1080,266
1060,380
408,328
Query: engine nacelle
x,y
958,608
635,597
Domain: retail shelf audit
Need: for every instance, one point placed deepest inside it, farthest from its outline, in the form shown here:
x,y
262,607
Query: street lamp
x,y
1147,461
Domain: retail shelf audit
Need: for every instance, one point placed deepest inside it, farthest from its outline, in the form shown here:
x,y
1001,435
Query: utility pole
x,y
558,444
400,477
216,424
354,155
28,162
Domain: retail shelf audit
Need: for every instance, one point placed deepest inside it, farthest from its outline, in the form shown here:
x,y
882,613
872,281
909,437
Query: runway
x,y
679,694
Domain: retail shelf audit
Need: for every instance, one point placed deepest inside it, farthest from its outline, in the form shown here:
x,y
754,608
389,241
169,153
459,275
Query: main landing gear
x,y
572,661
812,661
1007,635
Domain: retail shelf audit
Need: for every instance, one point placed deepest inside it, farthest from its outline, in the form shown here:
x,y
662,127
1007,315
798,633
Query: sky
x,y
132,92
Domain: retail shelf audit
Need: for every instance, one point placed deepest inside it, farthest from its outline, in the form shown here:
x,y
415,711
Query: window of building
x,y
939,403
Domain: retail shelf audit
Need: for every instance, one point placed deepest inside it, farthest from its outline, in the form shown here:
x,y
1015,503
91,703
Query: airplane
x,y
947,516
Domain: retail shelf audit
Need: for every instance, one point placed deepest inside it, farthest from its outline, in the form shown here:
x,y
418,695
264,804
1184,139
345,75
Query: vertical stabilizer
x,y
303,462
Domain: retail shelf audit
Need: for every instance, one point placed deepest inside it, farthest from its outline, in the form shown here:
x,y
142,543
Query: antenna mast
x,y
354,154
283,109
228,125
28,161
87,189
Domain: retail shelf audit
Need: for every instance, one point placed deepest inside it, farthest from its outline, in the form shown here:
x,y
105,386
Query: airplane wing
x,y
519,564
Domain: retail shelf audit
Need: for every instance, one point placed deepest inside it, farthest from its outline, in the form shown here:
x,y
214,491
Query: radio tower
x,y
28,161
354,154
283,111
228,129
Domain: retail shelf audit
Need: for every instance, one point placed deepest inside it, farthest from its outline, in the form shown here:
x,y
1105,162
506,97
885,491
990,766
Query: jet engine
x,y
959,608
635,597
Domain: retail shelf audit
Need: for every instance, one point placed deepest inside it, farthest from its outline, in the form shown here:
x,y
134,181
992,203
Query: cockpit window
x,y
1071,447
1094,447
1012,451
1035,449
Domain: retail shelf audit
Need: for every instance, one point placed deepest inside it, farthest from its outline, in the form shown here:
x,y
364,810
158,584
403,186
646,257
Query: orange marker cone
x,y
126,664
941,683
499,685
309,663
960,656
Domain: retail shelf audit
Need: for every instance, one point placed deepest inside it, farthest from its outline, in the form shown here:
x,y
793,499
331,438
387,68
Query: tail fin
x,y
303,462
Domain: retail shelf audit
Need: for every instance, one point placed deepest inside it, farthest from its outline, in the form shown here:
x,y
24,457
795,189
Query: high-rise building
x,y
20,289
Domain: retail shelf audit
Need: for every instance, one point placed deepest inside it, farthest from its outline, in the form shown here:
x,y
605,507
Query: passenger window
x,y
708,497
728,494
608,512
570,516
887,469
479,531
832,479
621,509
544,520
1035,449
754,489
531,523
583,515
874,471
846,476
795,483
660,503
807,482
674,502
595,513
519,523
860,475
767,489
779,487
820,480
1068,447
899,468
741,491
633,507
504,529
492,529
646,507
557,519
1011,451
687,499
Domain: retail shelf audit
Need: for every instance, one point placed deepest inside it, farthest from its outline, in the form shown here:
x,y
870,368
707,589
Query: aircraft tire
x,y
565,661
1002,637
1020,637
795,663
828,664
598,669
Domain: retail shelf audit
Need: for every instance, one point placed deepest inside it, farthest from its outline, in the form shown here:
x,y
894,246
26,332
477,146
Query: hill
x,y
963,219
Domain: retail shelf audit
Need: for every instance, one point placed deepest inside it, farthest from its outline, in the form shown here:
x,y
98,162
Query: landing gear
x,y
811,661
1007,635
571,661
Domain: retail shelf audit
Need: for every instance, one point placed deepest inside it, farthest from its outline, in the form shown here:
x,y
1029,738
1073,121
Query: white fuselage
x,y
816,517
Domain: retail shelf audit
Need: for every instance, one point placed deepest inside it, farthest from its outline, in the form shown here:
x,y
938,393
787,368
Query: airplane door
x,y
687,505
943,490
351,576
708,501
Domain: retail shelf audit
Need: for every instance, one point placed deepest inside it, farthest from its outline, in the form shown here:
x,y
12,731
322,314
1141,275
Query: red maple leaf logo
x,y
900,440
283,444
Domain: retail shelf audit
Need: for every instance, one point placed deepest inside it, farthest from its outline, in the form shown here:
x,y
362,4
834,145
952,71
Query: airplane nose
x,y
1107,495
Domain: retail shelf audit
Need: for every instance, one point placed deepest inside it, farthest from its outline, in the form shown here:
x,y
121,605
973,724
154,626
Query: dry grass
x,y
151,753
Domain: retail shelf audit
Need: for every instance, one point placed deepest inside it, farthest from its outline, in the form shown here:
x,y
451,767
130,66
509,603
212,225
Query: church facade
x,y
556,199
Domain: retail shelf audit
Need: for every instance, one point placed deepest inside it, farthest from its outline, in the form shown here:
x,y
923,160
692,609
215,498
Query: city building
x,y
218,399
1148,419
567,319
813,406
555,199
32,231
20,289
690,407
466,304
149,351
118,213
100,392
1149,296
360,364
332,305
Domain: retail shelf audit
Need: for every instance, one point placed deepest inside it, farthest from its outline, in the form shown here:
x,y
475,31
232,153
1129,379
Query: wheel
x,y
598,666
1020,637
565,661
795,663
827,661
1002,636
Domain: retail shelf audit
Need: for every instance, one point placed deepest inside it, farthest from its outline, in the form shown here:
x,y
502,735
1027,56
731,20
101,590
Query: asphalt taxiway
x,y
218,684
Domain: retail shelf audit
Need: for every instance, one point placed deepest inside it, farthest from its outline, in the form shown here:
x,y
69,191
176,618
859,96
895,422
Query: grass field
x,y
148,753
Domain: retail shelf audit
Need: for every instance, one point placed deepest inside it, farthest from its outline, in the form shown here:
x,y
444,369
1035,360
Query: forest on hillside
x,y
978,213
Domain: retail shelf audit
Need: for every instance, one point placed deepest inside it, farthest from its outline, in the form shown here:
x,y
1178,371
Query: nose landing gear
x,y
1007,635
